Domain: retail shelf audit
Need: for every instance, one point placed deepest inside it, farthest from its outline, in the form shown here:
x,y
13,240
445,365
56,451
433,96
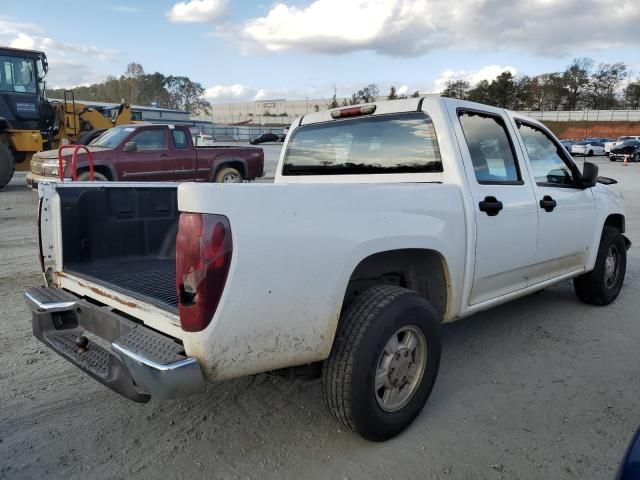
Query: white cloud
x,y
70,64
23,41
403,90
231,93
197,11
10,27
414,27
489,72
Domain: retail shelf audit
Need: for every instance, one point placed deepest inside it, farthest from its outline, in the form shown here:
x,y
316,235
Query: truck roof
x,y
398,106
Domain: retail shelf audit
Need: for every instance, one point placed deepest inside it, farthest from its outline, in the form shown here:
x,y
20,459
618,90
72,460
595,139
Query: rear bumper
x,y
127,357
33,179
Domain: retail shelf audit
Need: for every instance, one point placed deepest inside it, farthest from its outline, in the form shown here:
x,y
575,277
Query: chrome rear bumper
x,y
139,363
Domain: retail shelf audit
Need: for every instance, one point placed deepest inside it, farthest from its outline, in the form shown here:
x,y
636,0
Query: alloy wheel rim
x,y
230,178
400,368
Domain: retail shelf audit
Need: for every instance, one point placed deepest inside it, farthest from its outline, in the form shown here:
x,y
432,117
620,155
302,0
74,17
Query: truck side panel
x,y
284,294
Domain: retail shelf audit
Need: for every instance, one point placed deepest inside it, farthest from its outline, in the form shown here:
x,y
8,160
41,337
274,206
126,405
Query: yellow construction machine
x,y
30,123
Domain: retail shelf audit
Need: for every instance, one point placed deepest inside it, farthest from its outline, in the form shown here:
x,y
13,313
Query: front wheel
x,y
383,363
636,157
590,154
7,164
602,285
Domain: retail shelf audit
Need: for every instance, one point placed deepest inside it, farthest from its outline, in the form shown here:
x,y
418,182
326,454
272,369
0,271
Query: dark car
x,y
630,148
630,465
264,138
146,152
567,144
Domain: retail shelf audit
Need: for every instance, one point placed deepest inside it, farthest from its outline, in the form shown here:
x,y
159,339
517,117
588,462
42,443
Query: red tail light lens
x,y
203,256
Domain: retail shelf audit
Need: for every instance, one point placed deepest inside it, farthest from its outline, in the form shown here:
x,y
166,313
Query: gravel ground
x,y
542,387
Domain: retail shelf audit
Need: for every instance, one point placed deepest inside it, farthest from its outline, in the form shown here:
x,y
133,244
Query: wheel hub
x,y
611,266
400,368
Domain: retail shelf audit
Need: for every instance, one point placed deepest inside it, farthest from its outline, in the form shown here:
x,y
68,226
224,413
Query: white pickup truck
x,y
384,221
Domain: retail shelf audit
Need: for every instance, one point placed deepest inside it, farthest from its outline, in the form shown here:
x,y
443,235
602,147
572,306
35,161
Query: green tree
x,y
632,95
187,95
604,84
415,94
456,89
368,94
576,82
393,95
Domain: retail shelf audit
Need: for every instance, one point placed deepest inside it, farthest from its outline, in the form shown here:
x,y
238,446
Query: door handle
x,y
548,203
165,155
491,206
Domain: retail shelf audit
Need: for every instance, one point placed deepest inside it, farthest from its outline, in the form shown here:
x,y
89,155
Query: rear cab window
x,y
390,143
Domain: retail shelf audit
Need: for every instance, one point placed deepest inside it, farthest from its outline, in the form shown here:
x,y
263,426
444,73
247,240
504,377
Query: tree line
x,y
137,87
582,85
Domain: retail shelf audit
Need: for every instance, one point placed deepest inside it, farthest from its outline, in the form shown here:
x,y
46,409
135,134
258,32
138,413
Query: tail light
x,y
203,255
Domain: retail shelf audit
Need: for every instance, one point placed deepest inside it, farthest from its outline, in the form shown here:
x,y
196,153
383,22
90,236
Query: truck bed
x,y
151,280
123,238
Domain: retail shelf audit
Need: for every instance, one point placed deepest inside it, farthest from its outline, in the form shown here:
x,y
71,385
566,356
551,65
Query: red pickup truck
x,y
147,152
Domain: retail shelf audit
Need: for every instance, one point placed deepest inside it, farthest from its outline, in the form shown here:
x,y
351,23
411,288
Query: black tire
x,y
612,158
597,287
348,375
97,176
228,175
636,157
7,165
87,137
590,154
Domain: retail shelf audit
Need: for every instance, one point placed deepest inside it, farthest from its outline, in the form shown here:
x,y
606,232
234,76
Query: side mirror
x,y
589,175
132,147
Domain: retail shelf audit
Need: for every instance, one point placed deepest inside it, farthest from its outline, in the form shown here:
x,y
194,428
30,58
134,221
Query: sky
x,y
242,50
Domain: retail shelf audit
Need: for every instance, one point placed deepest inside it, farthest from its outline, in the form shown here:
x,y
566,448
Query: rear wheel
x,y
590,154
602,285
7,164
228,175
636,157
383,363
97,176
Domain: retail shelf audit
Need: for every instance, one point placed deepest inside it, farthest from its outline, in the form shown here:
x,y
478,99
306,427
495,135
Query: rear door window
x,y
396,143
180,139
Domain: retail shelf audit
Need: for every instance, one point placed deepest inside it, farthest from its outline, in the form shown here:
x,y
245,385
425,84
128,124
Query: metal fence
x,y
230,133
585,115
260,124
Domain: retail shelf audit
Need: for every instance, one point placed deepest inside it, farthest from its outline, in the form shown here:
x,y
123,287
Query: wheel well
x,y
615,220
238,165
417,269
104,170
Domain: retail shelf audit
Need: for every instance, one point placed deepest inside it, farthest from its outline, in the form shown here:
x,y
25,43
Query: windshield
x,y
17,74
397,143
112,137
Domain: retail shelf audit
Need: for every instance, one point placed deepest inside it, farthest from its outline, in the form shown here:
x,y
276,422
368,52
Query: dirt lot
x,y
543,387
